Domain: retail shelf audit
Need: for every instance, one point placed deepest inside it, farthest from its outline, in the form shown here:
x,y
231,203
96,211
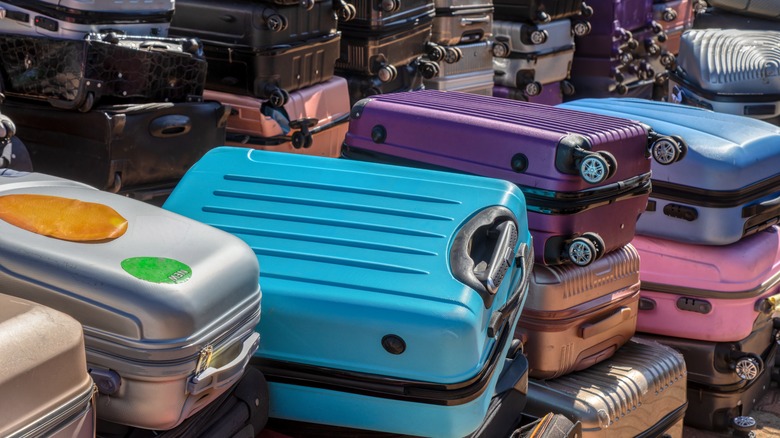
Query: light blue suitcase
x,y
727,187
383,301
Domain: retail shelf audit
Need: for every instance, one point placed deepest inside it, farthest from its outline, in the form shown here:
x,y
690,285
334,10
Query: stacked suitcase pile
x,y
273,64
534,48
464,29
586,180
710,250
387,47
121,102
624,54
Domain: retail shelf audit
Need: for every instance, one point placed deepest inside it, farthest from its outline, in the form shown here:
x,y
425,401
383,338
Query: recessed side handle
x,y
170,126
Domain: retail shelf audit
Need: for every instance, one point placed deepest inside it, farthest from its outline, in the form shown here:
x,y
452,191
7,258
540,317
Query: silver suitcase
x,y
730,71
531,73
473,73
759,8
45,389
640,391
168,305
540,39
459,25
74,19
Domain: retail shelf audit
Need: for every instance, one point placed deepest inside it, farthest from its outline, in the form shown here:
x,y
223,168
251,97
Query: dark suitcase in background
x,y
247,23
73,19
576,317
241,412
757,8
386,16
132,149
676,16
408,78
415,259
726,365
609,77
381,54
586,178
462,23
640,391
728,70
273,72
539,11
105,68
45,389
691,201
713,409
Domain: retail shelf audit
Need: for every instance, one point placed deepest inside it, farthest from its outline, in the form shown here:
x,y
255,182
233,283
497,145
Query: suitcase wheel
x,y
581,28
594,168
500,49
626,58
543,17
667,60
581,251
662,37
743,423
453,55
538,36
390,5
278,97
308,4
748,367
667,150
89,101
533,88
567,88
436,52
652,48
669,14
586,10
657,28
429,70
699,6
387,73
276,22
611,163
621,89
347,12
625,35
299,140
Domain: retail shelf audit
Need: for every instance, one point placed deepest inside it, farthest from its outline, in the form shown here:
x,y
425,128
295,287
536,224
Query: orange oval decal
x,y
62,218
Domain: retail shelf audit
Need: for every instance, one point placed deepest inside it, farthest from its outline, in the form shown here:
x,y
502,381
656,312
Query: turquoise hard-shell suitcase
x,y
390,293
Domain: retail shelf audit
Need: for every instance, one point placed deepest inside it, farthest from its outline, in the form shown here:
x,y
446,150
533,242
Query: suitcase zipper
x,y
550,202
717,198
770,283
75,408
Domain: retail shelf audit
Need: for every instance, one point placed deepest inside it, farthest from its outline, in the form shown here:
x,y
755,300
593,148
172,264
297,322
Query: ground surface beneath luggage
x,y
766,412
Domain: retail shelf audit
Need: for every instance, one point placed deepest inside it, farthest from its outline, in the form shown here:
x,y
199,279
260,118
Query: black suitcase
x,y
408,78
241,412
382,54
539,11
378,16
727,365
247,23
105,68
140,150
273,72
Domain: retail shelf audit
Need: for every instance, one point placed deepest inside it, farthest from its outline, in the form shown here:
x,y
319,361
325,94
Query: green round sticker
x,y
157,269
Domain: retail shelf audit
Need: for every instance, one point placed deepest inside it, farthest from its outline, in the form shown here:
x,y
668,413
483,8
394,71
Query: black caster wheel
x,y
500,49
594,168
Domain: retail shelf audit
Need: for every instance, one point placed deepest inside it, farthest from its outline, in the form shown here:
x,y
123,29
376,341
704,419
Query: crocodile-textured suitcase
x,y
313,121
640,391
712,293
248,23
140,150
691,200
586,178
271,73
45,389
539,11
462,23
473,73
422,272
729,71
576,317
726,365
74,19
104,68
168,305
757,8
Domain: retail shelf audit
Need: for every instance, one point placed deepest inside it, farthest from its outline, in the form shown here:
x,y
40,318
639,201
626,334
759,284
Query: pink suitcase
x,y
705,292
312,122
583,176
576,317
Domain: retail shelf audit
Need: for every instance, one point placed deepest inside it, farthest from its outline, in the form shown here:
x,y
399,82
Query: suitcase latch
x,y
204,358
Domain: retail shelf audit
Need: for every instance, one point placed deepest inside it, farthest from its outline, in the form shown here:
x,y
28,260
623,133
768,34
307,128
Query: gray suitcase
x,y
640,391
45,389
473,73
692,200
759,8
522,38
168,305
74,19
460,25
531,73
729,70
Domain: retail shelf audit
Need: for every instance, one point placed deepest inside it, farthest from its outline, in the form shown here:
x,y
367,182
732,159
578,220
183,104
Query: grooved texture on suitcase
x,y
640,386
731,61
477,57
759,8
132,69
44,384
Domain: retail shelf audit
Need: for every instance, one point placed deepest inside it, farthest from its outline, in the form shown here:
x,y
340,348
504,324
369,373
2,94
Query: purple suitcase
x,y
611,16
584,177
552,94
